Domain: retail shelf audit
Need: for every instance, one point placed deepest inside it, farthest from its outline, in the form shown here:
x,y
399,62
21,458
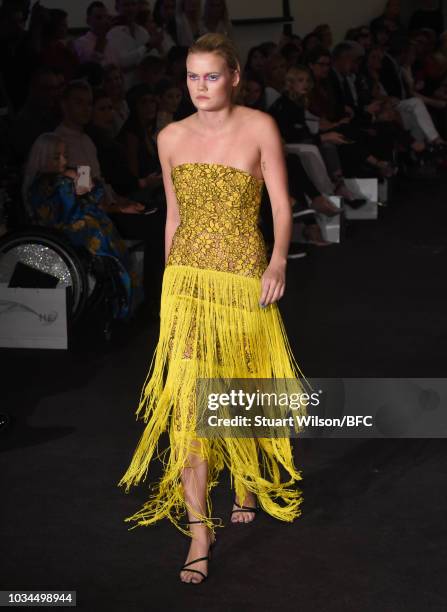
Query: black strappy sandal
x,y
207,558
254,509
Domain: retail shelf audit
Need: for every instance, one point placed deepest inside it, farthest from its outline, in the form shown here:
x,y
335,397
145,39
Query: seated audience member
x,y
138,133
94,46
252,91
390,19
40,114
169,98
429,15
413,111
152,70
292,54
355,156
114,87
361,35
164,16
275,74
417,89
324,34
268,48
57,51
370,88
159,38
111,154
176,70
255,62
19,49
129,42
290,112
91,72
215,17
380,35
188,21
435,67
76,111
53,199
310,41
344,82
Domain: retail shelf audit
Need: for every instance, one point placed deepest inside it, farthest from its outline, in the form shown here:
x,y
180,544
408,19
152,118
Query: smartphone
x,y
84,179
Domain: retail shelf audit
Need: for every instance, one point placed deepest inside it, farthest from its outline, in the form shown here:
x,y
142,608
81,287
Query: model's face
x,y
210,82
298,83
57,162
102,115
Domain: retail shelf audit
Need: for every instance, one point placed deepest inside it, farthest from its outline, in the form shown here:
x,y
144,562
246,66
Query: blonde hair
x,y
41,152
215,42
301,69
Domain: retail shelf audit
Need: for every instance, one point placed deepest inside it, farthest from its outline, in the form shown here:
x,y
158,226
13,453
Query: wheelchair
x,y
93,284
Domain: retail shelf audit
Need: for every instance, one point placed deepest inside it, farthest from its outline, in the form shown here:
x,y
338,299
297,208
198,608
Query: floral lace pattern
x,y
219,213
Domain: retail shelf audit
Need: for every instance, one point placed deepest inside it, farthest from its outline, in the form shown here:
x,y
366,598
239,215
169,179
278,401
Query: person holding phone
x,y
69,200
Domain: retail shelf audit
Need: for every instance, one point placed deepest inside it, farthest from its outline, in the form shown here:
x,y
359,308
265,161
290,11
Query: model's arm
x,y
164,145
274,171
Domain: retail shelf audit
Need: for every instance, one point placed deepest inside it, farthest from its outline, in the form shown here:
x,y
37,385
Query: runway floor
x,y
372,536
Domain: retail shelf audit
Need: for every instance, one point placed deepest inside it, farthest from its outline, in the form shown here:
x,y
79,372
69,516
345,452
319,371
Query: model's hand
x,y
273,283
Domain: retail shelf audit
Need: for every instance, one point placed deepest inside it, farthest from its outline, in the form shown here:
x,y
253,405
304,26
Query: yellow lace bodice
x,y
219,213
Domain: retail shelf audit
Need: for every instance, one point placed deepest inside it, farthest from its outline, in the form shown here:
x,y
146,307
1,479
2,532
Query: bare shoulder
x,y
257,119
170,137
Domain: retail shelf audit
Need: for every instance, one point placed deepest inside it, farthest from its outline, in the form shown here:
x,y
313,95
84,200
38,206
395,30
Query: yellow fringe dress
x,y
212,325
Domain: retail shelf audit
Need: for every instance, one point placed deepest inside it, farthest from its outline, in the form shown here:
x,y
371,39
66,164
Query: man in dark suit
x,y
344,90
391,76
412,109
344,86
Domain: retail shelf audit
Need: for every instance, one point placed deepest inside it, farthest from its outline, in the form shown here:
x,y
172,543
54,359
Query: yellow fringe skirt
x,y
211,326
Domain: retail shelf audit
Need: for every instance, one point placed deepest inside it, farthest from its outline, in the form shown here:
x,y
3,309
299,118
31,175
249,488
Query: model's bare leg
x,y
194,480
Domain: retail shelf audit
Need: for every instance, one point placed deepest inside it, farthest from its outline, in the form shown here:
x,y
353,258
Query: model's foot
x,y
244,516
202,538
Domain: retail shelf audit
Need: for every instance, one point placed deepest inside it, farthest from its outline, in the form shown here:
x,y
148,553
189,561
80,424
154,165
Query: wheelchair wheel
x,y
48,251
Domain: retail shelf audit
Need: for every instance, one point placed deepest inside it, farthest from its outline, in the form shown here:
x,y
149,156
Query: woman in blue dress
x,y
53,199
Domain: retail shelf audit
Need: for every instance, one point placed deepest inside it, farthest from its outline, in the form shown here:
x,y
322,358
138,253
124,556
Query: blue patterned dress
x,y
53,202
